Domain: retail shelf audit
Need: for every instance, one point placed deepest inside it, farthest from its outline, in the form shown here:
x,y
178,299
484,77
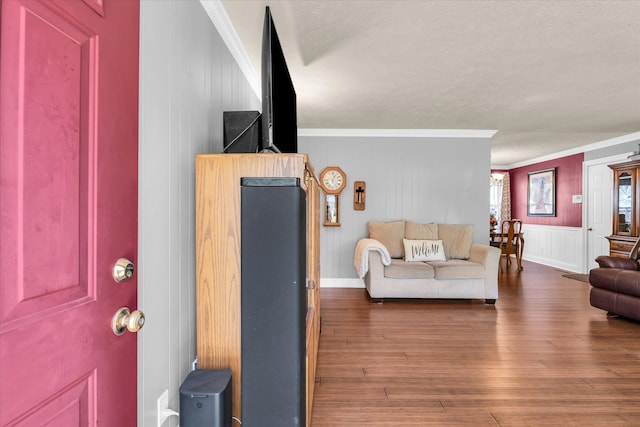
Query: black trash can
x,y
205,399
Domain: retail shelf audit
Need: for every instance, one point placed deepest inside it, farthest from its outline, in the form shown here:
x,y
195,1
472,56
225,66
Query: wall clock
x,y
333,180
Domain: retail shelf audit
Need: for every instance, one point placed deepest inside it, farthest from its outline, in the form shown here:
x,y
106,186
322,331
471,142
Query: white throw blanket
x,y
361,256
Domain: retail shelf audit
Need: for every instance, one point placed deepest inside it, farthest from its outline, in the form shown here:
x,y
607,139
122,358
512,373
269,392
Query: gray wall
x,y
423,179
612,150
187,79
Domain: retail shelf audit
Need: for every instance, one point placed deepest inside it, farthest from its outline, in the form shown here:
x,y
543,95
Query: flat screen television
x,y
279,120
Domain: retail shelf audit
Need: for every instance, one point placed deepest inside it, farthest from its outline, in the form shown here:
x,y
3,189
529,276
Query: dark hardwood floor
x,y
541,357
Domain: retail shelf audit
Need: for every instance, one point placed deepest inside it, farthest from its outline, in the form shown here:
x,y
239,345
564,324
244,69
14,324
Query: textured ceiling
x,y
547,75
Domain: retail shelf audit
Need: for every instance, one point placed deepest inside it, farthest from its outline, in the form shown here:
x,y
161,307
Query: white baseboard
x,y
333,282
553,263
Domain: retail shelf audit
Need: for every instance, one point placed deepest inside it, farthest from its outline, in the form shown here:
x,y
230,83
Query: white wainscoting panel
x,y
560,247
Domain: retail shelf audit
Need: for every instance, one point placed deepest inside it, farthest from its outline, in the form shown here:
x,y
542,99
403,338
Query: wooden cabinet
x,y
626,208
218,260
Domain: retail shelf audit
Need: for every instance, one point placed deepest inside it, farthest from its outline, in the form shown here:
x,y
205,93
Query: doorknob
x,y
589,229
125,319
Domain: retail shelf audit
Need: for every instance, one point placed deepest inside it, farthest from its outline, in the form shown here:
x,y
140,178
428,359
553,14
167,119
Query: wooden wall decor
x,y
359,195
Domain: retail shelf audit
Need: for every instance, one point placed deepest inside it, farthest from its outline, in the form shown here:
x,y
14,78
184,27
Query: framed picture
x,y
541,194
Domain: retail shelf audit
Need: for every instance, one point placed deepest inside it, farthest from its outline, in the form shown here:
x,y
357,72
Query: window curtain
x,y
495,198
505,205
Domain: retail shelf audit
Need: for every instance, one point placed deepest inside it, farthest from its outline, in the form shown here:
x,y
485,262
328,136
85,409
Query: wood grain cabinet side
x,y
218,259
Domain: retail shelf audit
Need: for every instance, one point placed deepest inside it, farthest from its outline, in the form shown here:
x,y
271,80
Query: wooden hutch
x,y
218,261
626,208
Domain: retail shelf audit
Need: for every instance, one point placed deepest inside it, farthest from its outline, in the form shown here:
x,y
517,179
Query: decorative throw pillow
x,y
423,250
390,234
414,231
457,240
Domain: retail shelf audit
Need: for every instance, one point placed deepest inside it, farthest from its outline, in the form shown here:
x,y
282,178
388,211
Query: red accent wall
x,y
568,183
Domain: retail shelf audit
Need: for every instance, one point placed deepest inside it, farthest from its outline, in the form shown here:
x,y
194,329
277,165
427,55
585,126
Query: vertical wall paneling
x,y
424,179
568,183
187,79
572,252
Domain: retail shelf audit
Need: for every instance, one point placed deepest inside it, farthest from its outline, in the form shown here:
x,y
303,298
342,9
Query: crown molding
x,y
223,24
399,133
582,149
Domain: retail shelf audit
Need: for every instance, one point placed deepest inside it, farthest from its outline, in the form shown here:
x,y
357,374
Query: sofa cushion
x,y
458,269
415,231
390,234
423,250
408,270
457,240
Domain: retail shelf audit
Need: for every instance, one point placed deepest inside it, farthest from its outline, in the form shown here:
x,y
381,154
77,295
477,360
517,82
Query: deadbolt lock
x,y
123,270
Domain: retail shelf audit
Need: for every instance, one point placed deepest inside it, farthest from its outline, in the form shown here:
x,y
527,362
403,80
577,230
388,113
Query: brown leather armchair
x,y
615,285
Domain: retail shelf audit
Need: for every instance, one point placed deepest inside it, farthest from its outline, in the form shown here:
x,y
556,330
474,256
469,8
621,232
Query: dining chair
x,y
510,240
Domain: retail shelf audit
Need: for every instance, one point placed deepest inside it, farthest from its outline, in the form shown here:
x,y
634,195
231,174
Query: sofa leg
x,y
489,301
373,300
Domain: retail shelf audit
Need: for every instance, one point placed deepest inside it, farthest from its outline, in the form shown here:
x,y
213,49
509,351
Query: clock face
x,y
332,180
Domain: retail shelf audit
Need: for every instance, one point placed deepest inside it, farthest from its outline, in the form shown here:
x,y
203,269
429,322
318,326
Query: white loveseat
x,y
467,270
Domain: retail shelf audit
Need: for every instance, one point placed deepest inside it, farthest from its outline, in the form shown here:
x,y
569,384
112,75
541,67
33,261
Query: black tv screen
x,y
279,121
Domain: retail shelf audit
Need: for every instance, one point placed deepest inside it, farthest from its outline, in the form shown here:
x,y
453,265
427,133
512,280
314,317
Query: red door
x,y
68,210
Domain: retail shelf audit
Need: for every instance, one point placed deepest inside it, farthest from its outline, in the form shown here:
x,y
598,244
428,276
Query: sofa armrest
x,y
485,255
375,273
606,261
366,247
488,256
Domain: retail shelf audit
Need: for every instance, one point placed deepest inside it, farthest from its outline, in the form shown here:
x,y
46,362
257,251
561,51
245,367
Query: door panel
x,y
44,167
68,210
